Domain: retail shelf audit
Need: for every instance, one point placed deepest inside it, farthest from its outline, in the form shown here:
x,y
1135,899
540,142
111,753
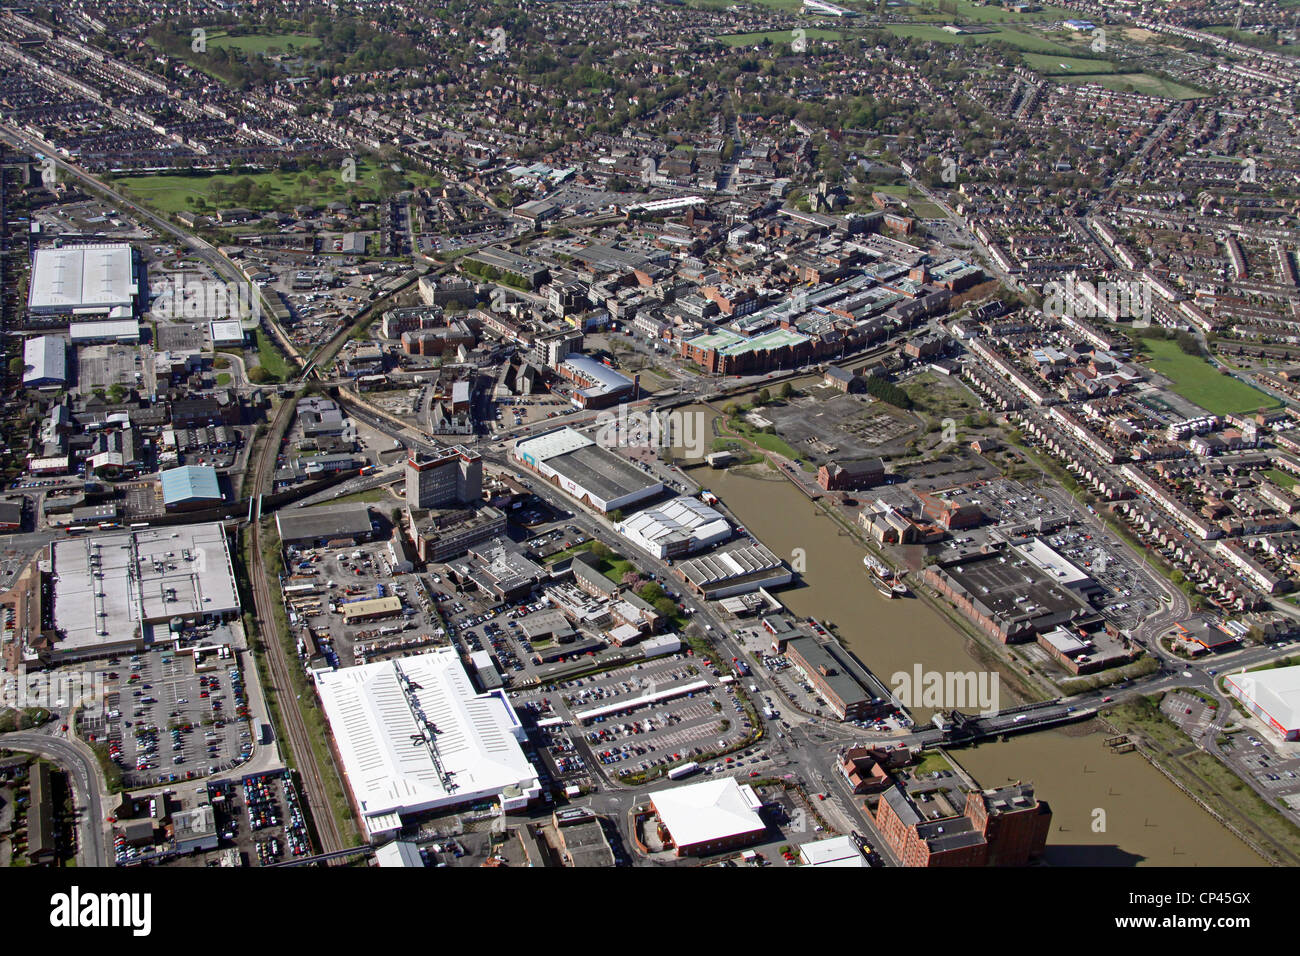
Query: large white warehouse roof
x,y
414,735
709,811
93,278
1273,694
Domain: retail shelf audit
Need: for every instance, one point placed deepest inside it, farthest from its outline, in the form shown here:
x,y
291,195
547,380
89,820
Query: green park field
x,y
263,191
1199,382
1066,65
1138,83
1029,42
261,44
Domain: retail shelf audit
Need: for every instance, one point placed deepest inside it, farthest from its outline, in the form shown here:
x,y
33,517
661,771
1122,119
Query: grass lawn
x,y
224,379
931,760
1068,65
938,398
916,203
370,496
1250,39
172,193
1197,381
978,13
270,357
261,44
790,6
1139,83
614,568
1021,41
1281,479
773,443
568,553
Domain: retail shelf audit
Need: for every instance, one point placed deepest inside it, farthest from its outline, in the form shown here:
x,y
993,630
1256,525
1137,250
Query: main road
x,y
199,247
89,793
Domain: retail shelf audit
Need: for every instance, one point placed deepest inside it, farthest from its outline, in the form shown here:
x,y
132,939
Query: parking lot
x,y
1129,595
475,624
323,580
645,717
512,412
163,721
262,817
181,336
140,499
103,366
1274,771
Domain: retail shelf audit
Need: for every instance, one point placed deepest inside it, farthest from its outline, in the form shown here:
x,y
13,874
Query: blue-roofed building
x,y
190,487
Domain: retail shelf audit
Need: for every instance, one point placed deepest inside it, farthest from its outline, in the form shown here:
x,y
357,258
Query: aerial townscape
x,y
649,433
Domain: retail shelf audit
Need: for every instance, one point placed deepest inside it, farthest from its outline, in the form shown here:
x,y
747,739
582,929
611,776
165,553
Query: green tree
x,y
787,390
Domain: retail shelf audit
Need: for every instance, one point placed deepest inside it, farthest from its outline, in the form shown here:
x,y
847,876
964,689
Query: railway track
x,y
317,797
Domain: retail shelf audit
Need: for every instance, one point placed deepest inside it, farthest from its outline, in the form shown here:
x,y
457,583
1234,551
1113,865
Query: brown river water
x,y
1145,820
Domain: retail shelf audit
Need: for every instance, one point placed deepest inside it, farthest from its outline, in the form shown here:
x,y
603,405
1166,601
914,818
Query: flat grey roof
x,y
603,473
323,523
1002,589
107,585
845,679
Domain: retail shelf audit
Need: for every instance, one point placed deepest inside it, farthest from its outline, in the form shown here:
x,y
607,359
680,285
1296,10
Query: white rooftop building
x,y
1272,695
399,853
678,527
413,735
111,590
45,361
711,816
94,279
226,332
837,851
109,331
1056,566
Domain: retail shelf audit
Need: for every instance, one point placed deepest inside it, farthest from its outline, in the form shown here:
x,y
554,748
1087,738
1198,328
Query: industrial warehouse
x,y
89,281
45,362
114,592
413,736
1272,695
583,469
679,527
709,817
314,527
